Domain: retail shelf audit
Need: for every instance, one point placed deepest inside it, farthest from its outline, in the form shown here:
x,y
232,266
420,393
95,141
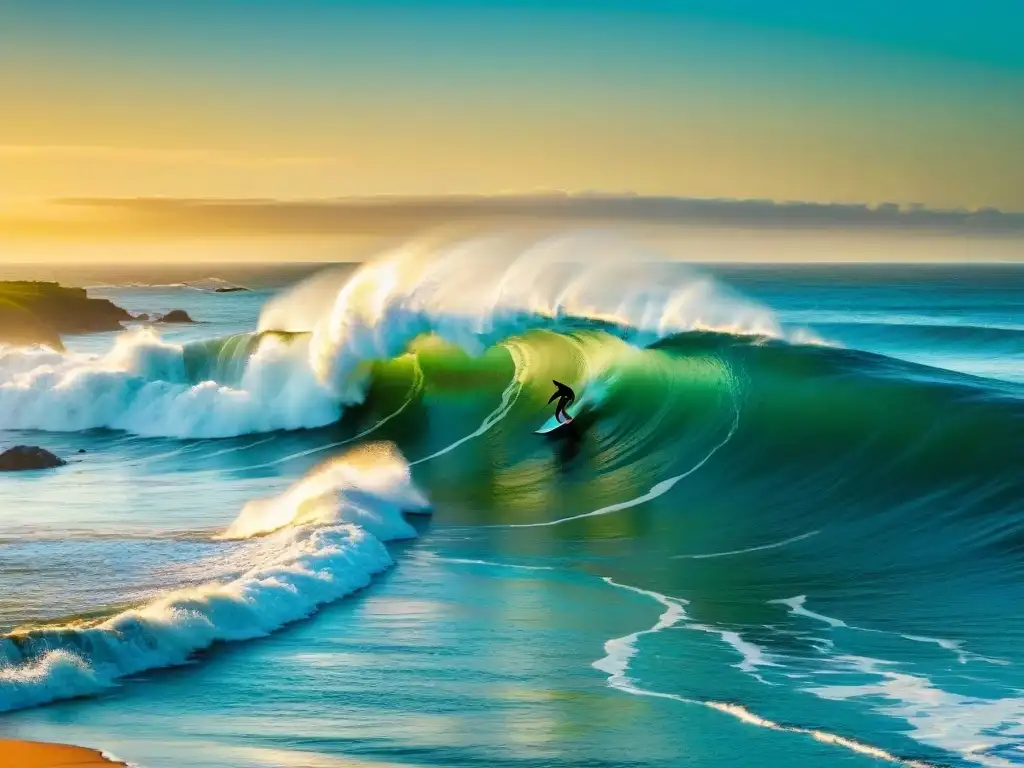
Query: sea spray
x,y
479,291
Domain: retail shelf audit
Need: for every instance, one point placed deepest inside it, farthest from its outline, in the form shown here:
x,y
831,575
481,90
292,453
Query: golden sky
x,y
315,99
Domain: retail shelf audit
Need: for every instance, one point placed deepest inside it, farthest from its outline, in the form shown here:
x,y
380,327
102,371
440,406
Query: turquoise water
x,y
799,547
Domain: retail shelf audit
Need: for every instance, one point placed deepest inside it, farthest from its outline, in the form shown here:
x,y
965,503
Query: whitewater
x,y
316,526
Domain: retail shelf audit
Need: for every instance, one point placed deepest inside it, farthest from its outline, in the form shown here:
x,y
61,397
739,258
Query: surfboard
x,y
553,424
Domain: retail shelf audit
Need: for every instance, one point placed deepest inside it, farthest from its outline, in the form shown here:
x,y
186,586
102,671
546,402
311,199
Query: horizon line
x,y
391,215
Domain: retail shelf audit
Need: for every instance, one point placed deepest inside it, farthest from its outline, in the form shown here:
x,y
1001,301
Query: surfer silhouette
x,y
565,397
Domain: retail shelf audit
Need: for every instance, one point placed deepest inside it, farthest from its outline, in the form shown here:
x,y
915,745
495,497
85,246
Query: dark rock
x,y
81,450
232,289
142,317
38,313
176,316
21,458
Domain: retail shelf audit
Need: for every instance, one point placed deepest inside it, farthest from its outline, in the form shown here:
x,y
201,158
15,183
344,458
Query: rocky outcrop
x,y
22,458
176,316
20,327
38,313
231,289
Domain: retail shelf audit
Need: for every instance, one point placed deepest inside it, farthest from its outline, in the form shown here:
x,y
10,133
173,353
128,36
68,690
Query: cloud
x,y
174,217
154,155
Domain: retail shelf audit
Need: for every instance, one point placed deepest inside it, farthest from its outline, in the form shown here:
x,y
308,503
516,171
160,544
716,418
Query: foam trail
x,y
325,541
984,731
752,656
414,389
659,489
508,399
762,548
619,651
434,557
797,607
180,451
239,449
953,646
110,756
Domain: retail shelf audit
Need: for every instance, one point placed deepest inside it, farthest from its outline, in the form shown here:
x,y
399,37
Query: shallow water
x,y
755,551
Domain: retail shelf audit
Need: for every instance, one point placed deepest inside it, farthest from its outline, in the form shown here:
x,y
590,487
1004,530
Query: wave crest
x,y
476,292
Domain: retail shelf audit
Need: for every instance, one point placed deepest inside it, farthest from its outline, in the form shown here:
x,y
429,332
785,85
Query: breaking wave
x,y
314,350
277,563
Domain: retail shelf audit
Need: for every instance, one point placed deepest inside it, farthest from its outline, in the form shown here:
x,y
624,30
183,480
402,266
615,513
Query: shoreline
x,y
38,754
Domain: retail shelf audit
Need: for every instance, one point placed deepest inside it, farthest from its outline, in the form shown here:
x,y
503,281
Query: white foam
x,y
979,730
752,656
953,646
434,557
621,650
797,607
761,548
117,760
329,546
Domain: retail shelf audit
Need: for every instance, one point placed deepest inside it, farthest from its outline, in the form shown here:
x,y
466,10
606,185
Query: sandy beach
x,y
32,754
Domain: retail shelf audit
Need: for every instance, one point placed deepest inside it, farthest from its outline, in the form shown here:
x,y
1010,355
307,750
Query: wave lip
x,y
281,577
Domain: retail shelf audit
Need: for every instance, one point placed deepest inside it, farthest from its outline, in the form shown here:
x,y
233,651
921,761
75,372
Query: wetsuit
x,y
565,397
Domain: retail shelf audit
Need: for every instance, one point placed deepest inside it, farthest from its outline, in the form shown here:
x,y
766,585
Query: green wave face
x,y
787,438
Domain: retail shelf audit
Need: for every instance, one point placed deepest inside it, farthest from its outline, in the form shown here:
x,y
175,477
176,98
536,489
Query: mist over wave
x,y
475,292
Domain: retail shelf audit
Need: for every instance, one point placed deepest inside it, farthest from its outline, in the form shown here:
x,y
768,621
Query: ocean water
x,y
316,528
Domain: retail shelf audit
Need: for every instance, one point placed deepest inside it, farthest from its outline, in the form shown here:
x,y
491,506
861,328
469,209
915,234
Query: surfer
x,y
566,397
